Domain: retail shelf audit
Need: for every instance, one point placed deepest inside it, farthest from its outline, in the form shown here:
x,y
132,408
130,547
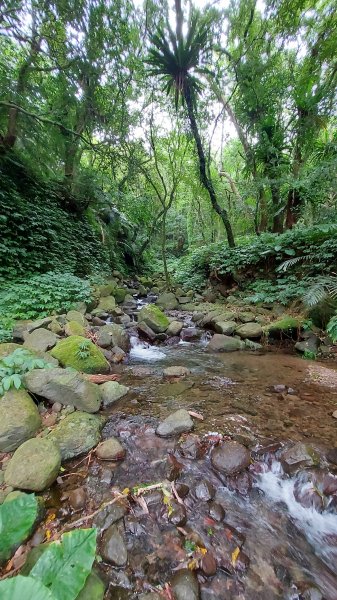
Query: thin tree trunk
x,y
205,180
163,248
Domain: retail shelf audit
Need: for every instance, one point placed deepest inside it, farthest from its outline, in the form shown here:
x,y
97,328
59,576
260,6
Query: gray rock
x,y
224,343
176,372
230,457
39,323
110,515
174,328
154,318
113,335
113,548
40,340
252,345
249,330
34,465
105,305
20,329
176,423
167,301
297,457
146,331
77,498
225,327
110,449
205,491
309,345
78,433
111,391
190,334
19,419
246,317
77,316
185,585
65,387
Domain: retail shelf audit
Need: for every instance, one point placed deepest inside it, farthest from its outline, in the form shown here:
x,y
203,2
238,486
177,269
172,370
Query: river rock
x,y
78,433
246,317
19,419
185,585
110,449
167,301
77,498
172,372
224,343
205,491
77,316
146,331
66,387
110,515
111,391
225,327
191,447
105,305
154,318
40,340
113,335
113,548
190,334
74,328
230,457
208,564
67,352
150,596
249,330
177,515
174,328
34,465
216,511
298,456
176,423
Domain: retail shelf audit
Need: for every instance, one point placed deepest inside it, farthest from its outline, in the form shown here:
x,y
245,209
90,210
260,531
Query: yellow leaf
x,y
202,551
126,491
235,555
50,518
48,534
193,564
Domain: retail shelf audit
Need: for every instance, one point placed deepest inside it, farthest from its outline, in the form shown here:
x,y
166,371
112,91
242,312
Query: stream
x,y
268,533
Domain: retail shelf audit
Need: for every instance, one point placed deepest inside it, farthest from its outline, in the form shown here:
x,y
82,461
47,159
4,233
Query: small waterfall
x,y
144,351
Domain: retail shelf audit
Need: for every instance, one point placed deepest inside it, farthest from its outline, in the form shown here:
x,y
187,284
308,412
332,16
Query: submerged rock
x,y
110,449
76,434
34,465
176,423
154,318
224,343
176,372
89,360
111,391
230,457
19,419
113,548
185,585
66,387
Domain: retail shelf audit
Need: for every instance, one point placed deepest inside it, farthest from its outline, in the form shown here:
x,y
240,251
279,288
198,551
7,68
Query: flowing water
x,y
265,400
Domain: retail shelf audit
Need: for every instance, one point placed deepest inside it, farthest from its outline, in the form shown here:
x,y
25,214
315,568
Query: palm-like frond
x,y
287,264
320,290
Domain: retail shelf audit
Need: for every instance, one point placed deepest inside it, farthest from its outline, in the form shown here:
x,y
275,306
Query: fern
x,y
332,328
320,290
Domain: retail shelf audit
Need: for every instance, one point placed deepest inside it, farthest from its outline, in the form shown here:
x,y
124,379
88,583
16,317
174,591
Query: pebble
x,y
77,498
178,514
208,564
216,511
205,491
113,549
57,407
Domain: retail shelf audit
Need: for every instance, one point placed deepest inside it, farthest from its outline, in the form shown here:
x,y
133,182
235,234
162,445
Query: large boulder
x,y
34,465
77,316
230,457
224,343
146,331
91,360
225,327
39,323
78,433
40,340
66,387
120,294
74,328
176,423
19,419
167,301
105,305
111,391
174,328
154,318
113,335
249,330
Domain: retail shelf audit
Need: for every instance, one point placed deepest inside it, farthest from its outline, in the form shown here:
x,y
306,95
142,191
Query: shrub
x,y
15,365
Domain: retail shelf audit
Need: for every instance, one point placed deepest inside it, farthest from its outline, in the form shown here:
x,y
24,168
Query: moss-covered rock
x,y
287,325
154,318
106,289
76,434
19,419
120,294
106,305
7,348
74,328
34,465
76,315
67,352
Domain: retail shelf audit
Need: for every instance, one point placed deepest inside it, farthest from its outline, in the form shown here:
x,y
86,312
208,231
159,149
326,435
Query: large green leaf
x,y
65,565
24,588
17,517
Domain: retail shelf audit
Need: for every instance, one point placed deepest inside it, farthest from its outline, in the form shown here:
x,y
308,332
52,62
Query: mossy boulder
x,y
287,325
78,433
67,352
154,318
7,348
249,330
105,305
19,419
74,328
34,465
120,294
167,301
76,315
106,289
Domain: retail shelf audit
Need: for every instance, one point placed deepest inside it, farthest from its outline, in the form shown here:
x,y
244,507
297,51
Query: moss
x,y
74,328
285,325
106,289
67,353
120,294
106,304
154,318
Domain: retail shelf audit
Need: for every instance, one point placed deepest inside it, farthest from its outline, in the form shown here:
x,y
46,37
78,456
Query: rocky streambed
x,y
209,471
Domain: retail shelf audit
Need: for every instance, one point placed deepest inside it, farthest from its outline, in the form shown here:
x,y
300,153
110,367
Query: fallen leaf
x,y
196,415
235,555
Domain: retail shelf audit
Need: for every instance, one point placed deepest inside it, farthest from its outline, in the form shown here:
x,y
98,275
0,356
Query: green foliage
x,y
17,517
15,365
83,349
309,355
332,329
20,587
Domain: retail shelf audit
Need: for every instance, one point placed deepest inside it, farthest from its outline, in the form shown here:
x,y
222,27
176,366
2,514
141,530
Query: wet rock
x,y
185,585
77,498
113,335
78,433
208,564
216,511
172,341
230,458
176,423
174,328
113,548
172,372
110,449
67,351
40,340
298,456
64,387
154,318
191,447
331,456
224,343
190,334
110,515
182,489
177,516
167,301
111,391
19,419
146,331
34,465
174,468
249,330
74,328
225,327
241,483
118,355
205,491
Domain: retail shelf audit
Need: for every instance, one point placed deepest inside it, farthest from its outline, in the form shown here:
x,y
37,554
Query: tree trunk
x,y
278,217
163,248
294,202
205,180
